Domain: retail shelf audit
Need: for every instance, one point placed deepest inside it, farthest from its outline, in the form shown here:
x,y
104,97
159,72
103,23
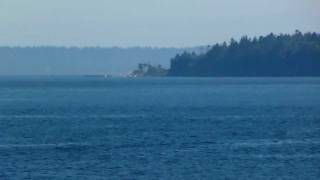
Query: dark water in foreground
x,y
177,128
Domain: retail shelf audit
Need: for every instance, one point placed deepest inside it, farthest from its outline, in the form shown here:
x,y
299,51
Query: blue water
x,y
159,128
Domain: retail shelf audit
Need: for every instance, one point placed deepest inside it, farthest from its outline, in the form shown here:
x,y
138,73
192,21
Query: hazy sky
x,y
149,22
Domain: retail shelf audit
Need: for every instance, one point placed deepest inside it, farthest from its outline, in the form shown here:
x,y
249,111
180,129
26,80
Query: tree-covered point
x,y
273,55
147,70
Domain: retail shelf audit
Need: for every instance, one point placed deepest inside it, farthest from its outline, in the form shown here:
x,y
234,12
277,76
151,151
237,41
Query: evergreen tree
x,y
273,55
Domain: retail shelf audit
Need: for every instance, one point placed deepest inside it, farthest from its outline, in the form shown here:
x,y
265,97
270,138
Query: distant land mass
x,y
297,54
48,60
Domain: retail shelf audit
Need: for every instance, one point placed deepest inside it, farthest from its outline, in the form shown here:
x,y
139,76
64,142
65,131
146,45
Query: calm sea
x,y
159,128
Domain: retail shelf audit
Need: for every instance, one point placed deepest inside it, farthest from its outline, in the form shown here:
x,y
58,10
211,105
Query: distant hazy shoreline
x,y
49,60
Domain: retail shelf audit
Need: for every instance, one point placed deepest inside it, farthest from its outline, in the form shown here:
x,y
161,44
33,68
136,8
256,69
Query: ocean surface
x,y
159,128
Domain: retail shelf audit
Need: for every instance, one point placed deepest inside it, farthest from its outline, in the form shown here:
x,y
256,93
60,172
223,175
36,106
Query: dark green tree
x,y
272,55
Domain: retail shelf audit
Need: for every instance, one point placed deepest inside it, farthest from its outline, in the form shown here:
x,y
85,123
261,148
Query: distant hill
x,y
273,55
75,61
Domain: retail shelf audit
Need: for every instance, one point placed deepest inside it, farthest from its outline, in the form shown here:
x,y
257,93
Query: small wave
x,y
202,146
122,116
239,117
74,146
278,156
14,99
45,146
32,116
186,147
272,142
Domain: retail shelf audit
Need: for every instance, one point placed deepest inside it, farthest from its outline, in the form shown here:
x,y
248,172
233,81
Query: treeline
x,y
272,55
148,70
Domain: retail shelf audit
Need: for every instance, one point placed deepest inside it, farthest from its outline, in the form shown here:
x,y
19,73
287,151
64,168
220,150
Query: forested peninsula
x,y
281,55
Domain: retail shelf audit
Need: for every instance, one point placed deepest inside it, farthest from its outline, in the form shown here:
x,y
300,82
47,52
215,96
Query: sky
x,y
157,23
